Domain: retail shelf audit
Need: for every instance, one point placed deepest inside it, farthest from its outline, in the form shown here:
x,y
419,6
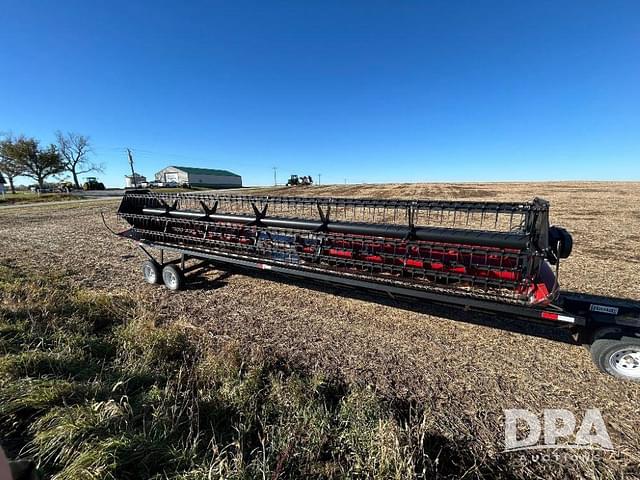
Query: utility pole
x,y
133,173
319,177
275,178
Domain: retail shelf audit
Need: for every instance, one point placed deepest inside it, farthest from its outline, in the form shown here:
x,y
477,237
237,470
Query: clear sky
x,y
369,91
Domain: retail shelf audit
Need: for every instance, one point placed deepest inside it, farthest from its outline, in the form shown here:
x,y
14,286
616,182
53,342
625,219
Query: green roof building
x,y
199,177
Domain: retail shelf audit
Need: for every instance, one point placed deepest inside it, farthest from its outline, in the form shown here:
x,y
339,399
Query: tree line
x,y
23,156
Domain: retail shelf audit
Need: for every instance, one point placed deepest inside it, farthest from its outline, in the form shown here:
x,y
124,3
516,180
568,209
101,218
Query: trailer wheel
x,y
617,355
151,272
173,277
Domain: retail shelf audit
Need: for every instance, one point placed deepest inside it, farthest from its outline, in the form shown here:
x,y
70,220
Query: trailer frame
x,y
608,326
571,309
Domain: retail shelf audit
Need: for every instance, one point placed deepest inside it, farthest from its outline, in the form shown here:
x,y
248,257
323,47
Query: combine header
x,y
489,256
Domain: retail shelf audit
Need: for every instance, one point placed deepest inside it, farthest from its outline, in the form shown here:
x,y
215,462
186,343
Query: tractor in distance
x,y
92,183
295,180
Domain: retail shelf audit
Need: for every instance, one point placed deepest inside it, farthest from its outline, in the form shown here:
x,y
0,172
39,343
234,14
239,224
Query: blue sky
x,y
369,91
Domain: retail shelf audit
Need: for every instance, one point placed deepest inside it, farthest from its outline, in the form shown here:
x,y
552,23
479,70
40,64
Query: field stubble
x,y
464,373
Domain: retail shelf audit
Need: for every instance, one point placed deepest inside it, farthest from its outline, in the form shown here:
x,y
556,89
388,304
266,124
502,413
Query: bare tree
x,y
74,151
9,165
37,163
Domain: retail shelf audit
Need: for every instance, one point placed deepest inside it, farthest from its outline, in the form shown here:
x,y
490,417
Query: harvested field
x,y
463,373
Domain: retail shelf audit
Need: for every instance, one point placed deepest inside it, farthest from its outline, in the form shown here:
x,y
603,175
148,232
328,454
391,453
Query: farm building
x,y
199,177
130,181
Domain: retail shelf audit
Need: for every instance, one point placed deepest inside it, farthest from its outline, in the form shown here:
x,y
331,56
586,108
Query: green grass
x,y
92,386
29,197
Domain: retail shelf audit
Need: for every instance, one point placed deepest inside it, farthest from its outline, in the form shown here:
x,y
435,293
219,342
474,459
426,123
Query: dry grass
x,y
28,197
463,373
92,388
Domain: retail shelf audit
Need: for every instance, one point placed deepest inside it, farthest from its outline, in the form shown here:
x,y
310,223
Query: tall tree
x,y
37,163
9,165
74,150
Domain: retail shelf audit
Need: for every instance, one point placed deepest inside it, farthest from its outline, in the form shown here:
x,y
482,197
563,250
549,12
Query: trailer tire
x,y
617,354
173,277
151,272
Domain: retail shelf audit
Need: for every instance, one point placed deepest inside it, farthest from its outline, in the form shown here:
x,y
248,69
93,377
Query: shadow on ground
x,y
196,280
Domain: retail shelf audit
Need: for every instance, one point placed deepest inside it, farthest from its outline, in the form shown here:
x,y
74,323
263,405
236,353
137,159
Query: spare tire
x,y
560,241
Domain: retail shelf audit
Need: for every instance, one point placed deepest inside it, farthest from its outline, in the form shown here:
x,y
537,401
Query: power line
x,y
275,178
133,173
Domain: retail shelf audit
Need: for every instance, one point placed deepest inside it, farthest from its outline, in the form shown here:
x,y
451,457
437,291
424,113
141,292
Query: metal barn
x,y
199,177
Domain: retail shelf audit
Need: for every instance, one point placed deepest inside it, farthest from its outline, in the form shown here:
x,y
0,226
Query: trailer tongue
x,y
490,256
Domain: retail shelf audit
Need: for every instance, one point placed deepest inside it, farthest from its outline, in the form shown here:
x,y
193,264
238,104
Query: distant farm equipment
x,y
295,180
64,186
92,183
60,187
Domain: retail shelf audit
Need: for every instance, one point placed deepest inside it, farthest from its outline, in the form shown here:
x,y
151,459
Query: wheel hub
x,y
170,278
149,273
627,361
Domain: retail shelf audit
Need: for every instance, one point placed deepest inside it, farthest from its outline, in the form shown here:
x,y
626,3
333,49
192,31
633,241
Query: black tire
x,y
151,272
617,354
172,277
